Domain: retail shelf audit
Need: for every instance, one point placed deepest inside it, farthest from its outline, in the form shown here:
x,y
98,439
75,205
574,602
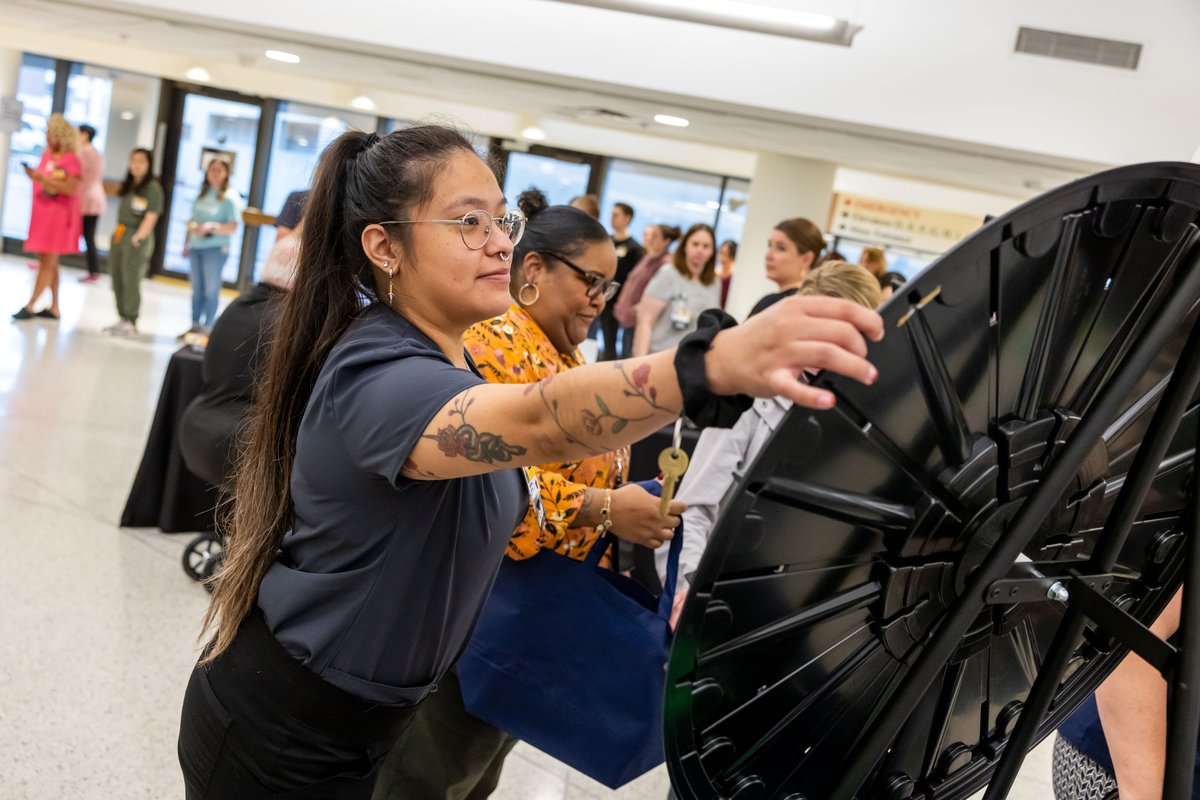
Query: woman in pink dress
x,y
55,223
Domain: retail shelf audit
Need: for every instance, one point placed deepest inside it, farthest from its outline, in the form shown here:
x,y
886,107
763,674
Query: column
x,y
10,68
781,187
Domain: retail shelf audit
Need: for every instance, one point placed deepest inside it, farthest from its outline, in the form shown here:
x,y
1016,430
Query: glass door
x,y
301,132
212,126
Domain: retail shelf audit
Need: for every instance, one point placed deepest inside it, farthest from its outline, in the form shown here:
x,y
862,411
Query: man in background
x,y
629,253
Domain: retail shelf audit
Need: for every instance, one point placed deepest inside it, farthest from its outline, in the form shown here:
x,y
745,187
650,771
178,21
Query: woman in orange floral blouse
x,y
562,278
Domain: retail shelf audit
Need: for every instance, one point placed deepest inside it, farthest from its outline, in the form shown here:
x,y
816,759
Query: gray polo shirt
x,y
381,579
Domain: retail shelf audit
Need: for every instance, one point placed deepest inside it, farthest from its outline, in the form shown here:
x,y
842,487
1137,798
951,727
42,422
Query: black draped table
x,y
165,494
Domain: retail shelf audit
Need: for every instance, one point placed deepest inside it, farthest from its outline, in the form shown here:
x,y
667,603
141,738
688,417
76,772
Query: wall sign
x,y
888,224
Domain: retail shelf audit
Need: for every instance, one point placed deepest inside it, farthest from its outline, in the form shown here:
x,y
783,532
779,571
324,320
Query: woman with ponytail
x,y
562,278
380,484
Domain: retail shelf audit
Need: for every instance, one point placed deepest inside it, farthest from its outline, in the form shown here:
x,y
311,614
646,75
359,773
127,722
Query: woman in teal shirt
x,y
214,219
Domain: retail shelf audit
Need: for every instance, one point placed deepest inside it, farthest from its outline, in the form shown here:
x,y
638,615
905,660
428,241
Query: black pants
x,y
447,754
89,241
258,724
612,340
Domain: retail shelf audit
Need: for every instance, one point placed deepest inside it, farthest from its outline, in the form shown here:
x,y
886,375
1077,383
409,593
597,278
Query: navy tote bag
x,y
571,657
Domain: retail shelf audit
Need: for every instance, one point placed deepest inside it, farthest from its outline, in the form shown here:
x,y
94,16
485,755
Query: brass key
x,y
672,462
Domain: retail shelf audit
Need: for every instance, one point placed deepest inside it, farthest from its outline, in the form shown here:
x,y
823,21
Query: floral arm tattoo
x,y
465,440
601,420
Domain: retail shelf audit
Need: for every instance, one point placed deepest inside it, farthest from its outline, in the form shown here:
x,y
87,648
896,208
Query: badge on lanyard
x,y
535,497
681,312
139,204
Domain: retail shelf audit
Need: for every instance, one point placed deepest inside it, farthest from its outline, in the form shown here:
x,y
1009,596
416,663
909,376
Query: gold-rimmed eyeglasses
x,y
597,284
475,227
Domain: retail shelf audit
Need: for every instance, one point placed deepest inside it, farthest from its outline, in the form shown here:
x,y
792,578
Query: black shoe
x,y
45,313
24,313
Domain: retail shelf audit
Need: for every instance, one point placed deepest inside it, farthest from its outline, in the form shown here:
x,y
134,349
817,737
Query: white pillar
x,y
782,187
10,68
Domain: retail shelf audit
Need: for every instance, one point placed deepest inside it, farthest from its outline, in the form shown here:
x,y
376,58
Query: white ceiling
x,y
391,51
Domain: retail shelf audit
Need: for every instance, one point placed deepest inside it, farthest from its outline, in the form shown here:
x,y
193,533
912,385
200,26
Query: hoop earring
x,y
537,293
389,272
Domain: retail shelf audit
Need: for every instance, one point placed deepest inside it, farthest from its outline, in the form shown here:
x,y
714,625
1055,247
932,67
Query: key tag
x,y
673,462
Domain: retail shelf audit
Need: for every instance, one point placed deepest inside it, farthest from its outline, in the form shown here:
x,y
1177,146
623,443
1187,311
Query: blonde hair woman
x,y
55,223
847,281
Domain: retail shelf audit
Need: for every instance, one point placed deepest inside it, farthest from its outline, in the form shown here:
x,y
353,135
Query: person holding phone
x,y
55,223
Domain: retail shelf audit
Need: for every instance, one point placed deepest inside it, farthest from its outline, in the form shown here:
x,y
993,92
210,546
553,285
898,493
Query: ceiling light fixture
x,y
198,74
285,57
127,115
363,103
534,134
674,122
738,16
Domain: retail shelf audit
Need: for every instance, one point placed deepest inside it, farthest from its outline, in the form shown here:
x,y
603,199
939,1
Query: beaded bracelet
x,y
606,522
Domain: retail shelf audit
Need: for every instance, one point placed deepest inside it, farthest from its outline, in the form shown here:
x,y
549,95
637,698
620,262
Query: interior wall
x,y
924,66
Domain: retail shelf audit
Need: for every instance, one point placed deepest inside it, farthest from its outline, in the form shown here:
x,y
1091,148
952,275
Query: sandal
x,y
24,313
45,313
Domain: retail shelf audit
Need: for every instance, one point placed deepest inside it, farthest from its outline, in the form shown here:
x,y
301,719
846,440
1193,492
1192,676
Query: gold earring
x,y
389,272
537,293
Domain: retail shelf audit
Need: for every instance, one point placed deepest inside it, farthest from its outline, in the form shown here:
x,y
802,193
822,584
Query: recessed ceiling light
x,y
285,57
198,74
534,133
674,122
363,103
127,115
302,142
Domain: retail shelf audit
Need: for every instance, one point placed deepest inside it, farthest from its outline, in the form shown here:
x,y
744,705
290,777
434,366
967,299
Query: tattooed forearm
x,y
551,405
464,440
639,386
602,419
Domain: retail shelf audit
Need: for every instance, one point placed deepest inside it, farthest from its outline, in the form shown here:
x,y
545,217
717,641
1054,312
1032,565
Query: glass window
x,y
559,180
123,108
301,133
661,195
212,126
733,210
35,90
481,142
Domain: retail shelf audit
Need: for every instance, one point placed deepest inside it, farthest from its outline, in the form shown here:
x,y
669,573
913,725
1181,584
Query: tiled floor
x,y
98,624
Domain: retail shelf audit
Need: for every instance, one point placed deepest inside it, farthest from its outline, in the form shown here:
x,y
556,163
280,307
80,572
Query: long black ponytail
x,y
361,179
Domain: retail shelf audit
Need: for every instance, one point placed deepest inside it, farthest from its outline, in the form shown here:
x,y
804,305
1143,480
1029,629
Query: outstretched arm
x,y
601,407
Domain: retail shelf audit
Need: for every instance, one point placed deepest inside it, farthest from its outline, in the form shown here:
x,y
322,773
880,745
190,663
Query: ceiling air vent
x,y
1105,52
